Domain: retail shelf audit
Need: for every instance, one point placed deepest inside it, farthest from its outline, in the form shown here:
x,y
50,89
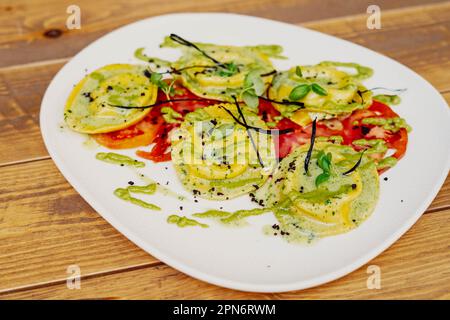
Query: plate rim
x,y
203,276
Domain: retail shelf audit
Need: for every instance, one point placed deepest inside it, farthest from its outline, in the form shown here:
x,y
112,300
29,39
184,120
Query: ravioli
x,y
307,211
90,106
209,80
214,156
344,91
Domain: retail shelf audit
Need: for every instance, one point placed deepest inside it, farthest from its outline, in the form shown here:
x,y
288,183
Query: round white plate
x,y
244,258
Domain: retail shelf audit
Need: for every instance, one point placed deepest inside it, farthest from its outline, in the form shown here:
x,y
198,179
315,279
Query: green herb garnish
x,y
318,89
299,92
157,79
228,69
298,72
253,87
302,90
324,162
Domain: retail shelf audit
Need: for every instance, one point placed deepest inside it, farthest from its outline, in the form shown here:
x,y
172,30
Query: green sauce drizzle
x,y
184,221
170,115
124,194
362,72
213,214
149,189
242,214
231,217
139,54
119,159
234,184
388,162
333,139
388,99
376,145
392,124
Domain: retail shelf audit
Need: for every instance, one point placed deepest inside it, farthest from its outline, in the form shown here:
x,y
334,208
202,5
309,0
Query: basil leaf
x,y
321,159
228,70
324,161
155,78
321,178
318,89
298,72
299,92
250,99
258,85
248,80
254,80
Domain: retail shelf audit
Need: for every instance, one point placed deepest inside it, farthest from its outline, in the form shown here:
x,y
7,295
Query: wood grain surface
x,y
411,269
46,226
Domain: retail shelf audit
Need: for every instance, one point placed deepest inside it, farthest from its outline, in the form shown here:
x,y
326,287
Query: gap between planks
x,y
82,277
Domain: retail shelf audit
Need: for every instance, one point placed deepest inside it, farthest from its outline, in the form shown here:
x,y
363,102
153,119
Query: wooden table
x,y
45,226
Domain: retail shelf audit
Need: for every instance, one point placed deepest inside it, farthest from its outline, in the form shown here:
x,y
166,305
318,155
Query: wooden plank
x,y
353,25
21,93
415,267
416,37
419,47
25,22
46,226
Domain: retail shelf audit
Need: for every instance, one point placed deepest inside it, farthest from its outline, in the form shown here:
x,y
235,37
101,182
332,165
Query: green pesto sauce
x,y
388,162
362,72
124,194
333,139
148,189
392,124
234,184
319,195
278,118
388,99
139,54
289,227
232,217
184,221
376,145
242,214
213,214
170,115
119,159
165,191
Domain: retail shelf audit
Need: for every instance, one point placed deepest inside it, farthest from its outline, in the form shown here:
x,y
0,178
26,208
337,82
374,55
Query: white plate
x,y
244,258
